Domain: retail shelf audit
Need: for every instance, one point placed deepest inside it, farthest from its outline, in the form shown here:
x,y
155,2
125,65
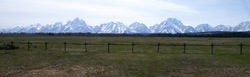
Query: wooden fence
x,y
85,45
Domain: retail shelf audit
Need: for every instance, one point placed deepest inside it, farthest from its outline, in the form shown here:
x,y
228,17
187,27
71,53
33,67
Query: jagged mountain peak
x,y
112,24
137,23
112,27
171,25
205,25
204,28
58,23
137,27
171,21
246,23
222,28
77,21
243,26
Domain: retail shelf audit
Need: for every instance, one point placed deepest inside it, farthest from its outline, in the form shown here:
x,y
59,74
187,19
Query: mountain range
x,y
171,25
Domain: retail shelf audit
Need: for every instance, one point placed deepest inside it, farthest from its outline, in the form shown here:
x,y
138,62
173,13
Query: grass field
x,y
144,62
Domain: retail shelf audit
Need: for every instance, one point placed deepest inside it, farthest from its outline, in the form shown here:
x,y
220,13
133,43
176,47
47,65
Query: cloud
x,y
158,4
145,11
118,10
114,7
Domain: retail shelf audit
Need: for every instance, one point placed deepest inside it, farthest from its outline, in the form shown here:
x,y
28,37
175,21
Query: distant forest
x,y
200,34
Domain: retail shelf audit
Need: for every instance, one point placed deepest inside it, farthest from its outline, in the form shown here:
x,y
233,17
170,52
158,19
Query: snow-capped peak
x,y
244,26
171,25
112,27
172,21
204,28
222,28
139,28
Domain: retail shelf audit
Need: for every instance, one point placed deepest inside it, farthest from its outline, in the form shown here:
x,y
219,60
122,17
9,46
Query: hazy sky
x,y
94,12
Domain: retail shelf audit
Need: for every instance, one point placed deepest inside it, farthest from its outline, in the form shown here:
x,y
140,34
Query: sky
x,y
95,12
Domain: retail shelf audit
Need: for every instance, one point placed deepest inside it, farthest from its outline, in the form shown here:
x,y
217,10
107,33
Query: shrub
x,y
8,47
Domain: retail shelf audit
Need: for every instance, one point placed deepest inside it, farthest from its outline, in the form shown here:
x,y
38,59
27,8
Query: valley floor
x,y
121,62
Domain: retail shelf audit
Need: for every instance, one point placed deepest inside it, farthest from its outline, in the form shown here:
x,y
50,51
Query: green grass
x,y
121,62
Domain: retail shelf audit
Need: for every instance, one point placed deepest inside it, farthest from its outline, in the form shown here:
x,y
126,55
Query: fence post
x,y
212,48
133,44
65,44
184,47
158,47
28,45
46,45
85,46
108,47
241,45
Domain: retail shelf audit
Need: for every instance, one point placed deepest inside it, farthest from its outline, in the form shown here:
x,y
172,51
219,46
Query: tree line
x,y
199,34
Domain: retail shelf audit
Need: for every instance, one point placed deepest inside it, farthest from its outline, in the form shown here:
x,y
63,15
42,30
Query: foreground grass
x,y
144,62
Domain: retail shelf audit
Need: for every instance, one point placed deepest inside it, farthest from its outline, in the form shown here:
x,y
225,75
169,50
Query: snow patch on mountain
x,y
204,28
171,25
112,27
222,28
244,26
139,28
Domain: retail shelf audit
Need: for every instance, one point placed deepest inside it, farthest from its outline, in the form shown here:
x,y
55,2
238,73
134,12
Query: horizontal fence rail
x,y
159,45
